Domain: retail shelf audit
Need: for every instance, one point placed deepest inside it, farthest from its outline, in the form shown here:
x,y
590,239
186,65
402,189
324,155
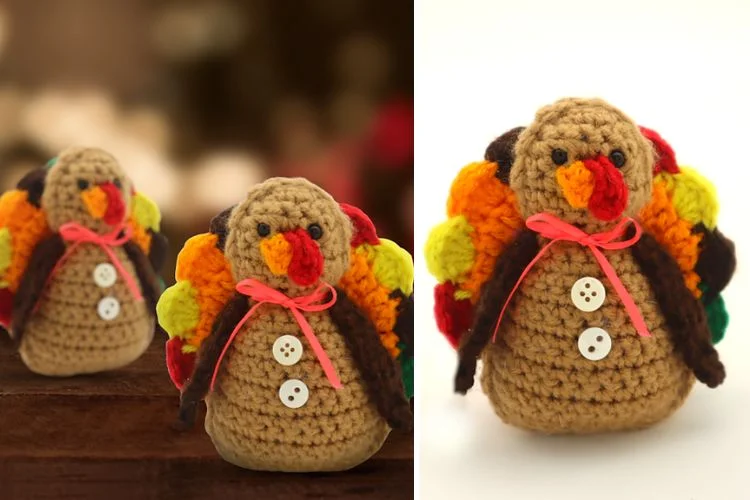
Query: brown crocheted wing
x,y
682,216
379,282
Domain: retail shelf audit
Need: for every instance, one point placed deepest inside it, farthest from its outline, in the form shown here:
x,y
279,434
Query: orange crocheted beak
x,y
294,254
105,202
596,184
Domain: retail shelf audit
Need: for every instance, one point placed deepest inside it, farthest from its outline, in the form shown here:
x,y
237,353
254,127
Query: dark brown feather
x,y
404,328
381,374
208,355
716,262
684,315
145,274
502,152
218,227
33,183
508,269
157,254
43,261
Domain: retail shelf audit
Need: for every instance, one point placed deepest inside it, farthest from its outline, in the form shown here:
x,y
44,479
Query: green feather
x,y
407,372
718,317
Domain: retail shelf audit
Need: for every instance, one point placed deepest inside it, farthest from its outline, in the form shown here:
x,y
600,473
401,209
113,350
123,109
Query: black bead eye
x,y
559,156
83,184
315,231
117,183
264,229
617,158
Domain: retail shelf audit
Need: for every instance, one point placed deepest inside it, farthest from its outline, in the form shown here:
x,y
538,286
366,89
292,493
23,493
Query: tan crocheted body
x,y
250,427
66,336
536,378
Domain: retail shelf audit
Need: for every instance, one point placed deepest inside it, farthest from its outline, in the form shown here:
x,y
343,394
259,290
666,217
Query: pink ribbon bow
x,y
77,234
264,294
552,228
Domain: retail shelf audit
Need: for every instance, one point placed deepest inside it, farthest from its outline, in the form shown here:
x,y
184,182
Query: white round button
x,y
588,294
108,308
105,275
294,393
287,350
594,344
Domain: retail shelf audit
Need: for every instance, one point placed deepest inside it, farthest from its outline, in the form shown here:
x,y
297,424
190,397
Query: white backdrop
x,y
681,68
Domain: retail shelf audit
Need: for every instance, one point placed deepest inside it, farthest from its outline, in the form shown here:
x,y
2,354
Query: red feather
x,y
364,229
6,307
179,364
453,316
666,160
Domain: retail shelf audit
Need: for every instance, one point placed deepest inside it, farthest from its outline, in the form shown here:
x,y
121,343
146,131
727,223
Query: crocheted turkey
x,y
584,267
301,317
78,253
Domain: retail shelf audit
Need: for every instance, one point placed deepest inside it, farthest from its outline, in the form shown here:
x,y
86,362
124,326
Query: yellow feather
x,y
6,251
146,212
694,197
449,250
393,266
178,310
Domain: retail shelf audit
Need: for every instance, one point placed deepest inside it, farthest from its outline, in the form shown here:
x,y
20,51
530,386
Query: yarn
x,y
247,422
534,375
364,229
146,213
610,194
695,198
665,157
27,225
392,265
490,208
577,183
449,250
718,318
277,252
6,251
660,219
178,310
717,262
306,265
453,316
60,321
202,264
684,317
500,151
373,297
96,201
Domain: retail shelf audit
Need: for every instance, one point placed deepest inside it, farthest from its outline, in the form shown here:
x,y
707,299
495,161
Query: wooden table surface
x,y
110,436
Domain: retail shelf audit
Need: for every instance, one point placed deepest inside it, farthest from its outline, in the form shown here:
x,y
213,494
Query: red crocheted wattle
x,y
115,205
179,364
364,229
306,266
666,160
610,196
453,316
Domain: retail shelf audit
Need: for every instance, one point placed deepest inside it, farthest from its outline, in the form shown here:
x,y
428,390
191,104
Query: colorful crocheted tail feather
x,y
23,224
483,219
379,281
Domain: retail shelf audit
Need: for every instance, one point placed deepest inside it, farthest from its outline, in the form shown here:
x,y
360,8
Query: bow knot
x,y
77,235
554,229
314,302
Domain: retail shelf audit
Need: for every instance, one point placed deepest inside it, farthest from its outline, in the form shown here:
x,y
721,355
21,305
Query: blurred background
x,y
200,99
